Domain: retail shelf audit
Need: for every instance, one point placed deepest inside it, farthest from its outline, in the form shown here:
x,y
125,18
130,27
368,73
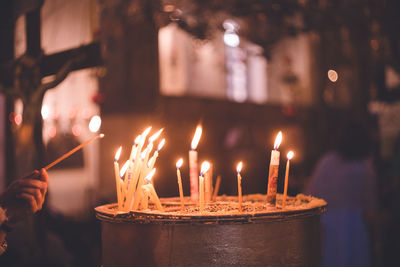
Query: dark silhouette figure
x,y
345,178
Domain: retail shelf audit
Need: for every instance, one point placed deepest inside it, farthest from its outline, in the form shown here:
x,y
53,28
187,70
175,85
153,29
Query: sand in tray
x,y
228,205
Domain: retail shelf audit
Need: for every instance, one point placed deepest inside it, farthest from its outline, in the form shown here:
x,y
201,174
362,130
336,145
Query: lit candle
x,y
123,185
136,164
140,180
117,179
140,168
204,168
135,147
123,169
289,157
153,159
193,169
208,184
273,171
144,172
142,140
178,174
239,181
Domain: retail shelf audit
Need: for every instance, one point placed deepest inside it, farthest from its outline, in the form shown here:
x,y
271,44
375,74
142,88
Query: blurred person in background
x,y
345,178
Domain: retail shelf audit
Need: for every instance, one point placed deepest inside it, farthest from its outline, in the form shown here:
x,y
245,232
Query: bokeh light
x,y
333,75
95,123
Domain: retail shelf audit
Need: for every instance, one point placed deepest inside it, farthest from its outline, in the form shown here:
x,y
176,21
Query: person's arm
x,y
21,199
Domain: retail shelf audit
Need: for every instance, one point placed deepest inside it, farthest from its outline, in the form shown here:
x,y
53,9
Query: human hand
x,y
25,196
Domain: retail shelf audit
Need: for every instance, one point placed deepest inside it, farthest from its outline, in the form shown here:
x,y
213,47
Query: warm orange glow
x,y
150,175
196,137
123,169
118,153
278,140
161,144
179,163
290,155
101,135
155,136
239,167
204,167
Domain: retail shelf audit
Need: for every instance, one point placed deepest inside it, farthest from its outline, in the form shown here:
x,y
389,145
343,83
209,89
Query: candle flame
x,y
161,144
124,168
290,155
150,176
196,137
118,154
155,136
239,167
278,140
204,167
146,132
101,135
137,140
179,163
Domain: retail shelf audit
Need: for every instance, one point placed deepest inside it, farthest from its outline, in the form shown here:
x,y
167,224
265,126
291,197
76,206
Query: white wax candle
x,y
117,184
129,183
273,177
201,182
145,197
134,150
208,184
154,197
117,179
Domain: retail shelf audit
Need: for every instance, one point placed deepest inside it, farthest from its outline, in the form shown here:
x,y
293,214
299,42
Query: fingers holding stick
x,y
31,200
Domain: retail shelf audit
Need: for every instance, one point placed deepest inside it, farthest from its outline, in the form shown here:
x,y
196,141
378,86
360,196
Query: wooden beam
x,y
33,44
25,6
90,54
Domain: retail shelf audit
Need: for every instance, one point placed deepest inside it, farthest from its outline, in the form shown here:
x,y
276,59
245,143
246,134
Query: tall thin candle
x,y
216,188
131,187
204,168
289,157
239,181
117,179
178,174
134,148
193,168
